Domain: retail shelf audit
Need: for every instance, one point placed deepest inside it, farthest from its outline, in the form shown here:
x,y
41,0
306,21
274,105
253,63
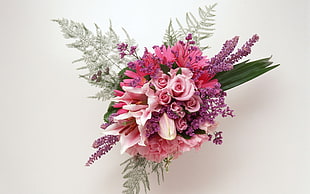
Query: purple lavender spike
x,y
104,145
244,51
217,63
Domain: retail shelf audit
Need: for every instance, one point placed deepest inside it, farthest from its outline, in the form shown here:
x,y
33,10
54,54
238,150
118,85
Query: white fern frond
x,y
100,55
200,29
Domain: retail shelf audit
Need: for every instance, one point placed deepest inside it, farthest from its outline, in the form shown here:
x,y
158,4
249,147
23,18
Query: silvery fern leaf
x,y
171,36
200,29
100,55
136,172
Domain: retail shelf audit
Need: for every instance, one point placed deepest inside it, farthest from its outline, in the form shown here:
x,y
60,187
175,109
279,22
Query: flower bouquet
x,y
166,101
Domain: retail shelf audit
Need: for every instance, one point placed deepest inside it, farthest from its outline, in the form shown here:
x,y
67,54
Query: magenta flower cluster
x,y
169,101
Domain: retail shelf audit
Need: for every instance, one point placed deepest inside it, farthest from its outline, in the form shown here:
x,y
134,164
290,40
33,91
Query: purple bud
x,y
189,37
93,77
131,65
132,50
122,54
122,47
218,140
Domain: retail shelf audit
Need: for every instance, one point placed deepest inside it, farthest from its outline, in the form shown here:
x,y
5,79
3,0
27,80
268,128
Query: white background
x,y
48,125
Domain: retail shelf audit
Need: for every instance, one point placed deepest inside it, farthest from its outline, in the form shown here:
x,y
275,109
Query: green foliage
x,y
200,29
136,171
110,110
164,68
244,72
179,71
100,54
197,131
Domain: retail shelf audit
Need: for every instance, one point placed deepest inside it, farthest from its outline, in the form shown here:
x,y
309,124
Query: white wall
x,y
47,123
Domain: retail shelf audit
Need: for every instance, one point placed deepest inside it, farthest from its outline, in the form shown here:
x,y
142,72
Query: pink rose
x,y
177,109
156,149
193,104
164,96
161,81
209,128
180,124
182,87
194,142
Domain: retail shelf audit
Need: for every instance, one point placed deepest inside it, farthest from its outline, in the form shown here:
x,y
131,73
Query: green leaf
x,y
147,77
174,66
110,110
197,131
179,71
121,73
200,131
121,77
185,136
164,68
244,72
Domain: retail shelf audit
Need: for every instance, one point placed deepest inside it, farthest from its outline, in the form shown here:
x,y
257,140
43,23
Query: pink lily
x,y
128,131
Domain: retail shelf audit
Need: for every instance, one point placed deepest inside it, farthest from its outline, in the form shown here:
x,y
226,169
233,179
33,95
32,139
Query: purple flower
x,y
122,47
132,50
189,37
122,54
224,60
218,139
104,145
244,51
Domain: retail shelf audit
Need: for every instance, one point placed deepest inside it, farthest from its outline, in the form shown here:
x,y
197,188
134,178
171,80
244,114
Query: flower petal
x,y
129,140
167,128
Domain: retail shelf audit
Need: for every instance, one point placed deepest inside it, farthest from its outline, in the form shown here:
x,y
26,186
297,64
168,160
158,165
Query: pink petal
x,y
113,129
129,140
121,111
118,93
134,107
210,84
130,74
119,105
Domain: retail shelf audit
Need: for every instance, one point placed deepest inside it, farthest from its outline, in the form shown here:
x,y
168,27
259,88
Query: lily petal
x,y
167,128
134,107
129,140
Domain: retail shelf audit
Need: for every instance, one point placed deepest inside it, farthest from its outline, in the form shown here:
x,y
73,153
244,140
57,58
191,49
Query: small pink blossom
x,y
194,142
164,54
164,96
182,88
193,104
156,149
180,124
208,127
161,81
177,109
